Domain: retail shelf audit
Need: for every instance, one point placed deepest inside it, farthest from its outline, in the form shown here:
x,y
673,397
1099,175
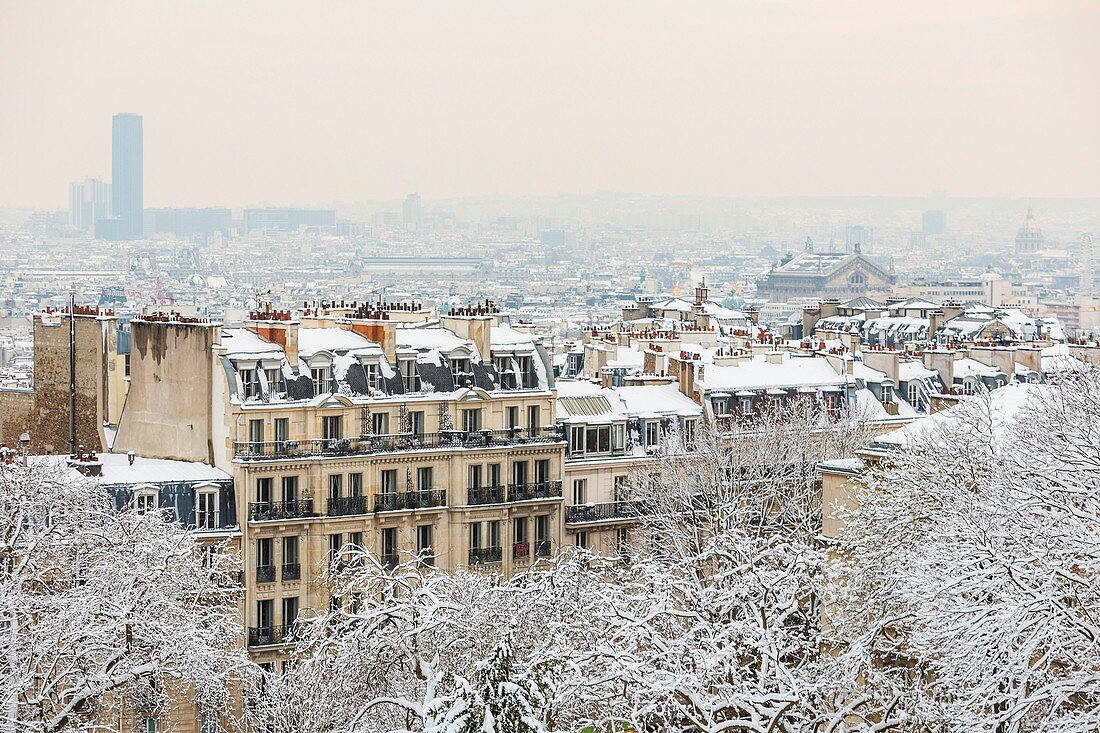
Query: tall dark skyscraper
x,y
126,174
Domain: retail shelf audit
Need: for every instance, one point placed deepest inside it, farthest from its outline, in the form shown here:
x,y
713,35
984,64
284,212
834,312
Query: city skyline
x,y
361,103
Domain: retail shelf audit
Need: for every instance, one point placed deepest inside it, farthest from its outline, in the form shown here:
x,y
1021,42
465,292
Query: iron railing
x,y
521,550
342,506
603,512
537,490
265,573
392,443
268,635
291,571
485,495
405,500
481,555
259,511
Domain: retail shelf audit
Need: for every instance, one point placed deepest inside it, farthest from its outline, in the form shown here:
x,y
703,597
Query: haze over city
x,y
312,103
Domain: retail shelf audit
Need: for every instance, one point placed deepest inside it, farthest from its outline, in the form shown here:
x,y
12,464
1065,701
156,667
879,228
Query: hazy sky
x,y
310,102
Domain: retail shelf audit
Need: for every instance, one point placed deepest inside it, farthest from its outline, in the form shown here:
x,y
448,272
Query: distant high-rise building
x,y
857,238
89,201
410,213
126,174
933,222
287,219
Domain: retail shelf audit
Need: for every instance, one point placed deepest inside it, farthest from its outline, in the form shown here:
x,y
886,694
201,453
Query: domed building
x,y
1030,237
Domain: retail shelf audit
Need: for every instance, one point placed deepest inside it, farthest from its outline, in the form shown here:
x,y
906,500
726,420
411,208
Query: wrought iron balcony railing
x,y
391,443
485,495
485,555
260,511
265,573
406,500
537,490
344,506
291,571
603,512
269,635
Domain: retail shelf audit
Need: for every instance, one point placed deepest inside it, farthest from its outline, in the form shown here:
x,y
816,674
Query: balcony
x,y
269,635
603,512
393,443
347,506
406,500
263,511
485,495
538,490
484,555
265,573
291,571
521,550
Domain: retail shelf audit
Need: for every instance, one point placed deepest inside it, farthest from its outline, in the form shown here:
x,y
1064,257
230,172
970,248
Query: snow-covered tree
x,y
104,614
967,589
714,623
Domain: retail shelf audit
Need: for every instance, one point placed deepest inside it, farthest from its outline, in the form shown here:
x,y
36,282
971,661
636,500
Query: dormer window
x,y
322,379
526,377
373,375
409,376
146,500
459,369
250,383
276,383
206,508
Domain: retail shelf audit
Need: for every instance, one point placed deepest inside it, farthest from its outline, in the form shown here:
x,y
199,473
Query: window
x,y
146,500
746,406
519,472
335,544
424,544
126,366
542,528
460,370
525,379
475,535
494,474
652,432
576,440
372,375
256,434
511,417
332,427
622,541
598,439
913,391
389,543
380,423
282,432
149,725
290,610
618,437
424,478
410,379
389,481
582,540
475,476
265,559
416,422
290,488
321,379
355,539
355,484
689,431
580,490
471,420
250,383
276,384
264,487
620,488
209,723
534,422
290,550
887,394
335,486
265,614
542,471
206,509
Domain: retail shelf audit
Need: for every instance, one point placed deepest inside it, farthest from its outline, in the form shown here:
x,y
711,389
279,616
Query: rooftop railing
x,y
393,443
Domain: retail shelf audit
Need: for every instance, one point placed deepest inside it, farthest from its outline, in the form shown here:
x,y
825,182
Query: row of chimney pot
x,y
481,309
172,317
81,310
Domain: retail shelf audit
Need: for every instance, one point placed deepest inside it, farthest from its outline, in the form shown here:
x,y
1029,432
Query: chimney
x,y
476,328
277,326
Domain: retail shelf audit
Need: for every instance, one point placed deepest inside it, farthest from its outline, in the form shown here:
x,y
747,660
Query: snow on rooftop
x,y
663,399
432,339
241,343
758,374
315,340
908,370
117,470
505,336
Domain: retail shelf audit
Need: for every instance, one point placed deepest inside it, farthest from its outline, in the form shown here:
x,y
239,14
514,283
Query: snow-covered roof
x,y
663,399
759,374
908,370
335,340
504,336
241,343
117,470
433,339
